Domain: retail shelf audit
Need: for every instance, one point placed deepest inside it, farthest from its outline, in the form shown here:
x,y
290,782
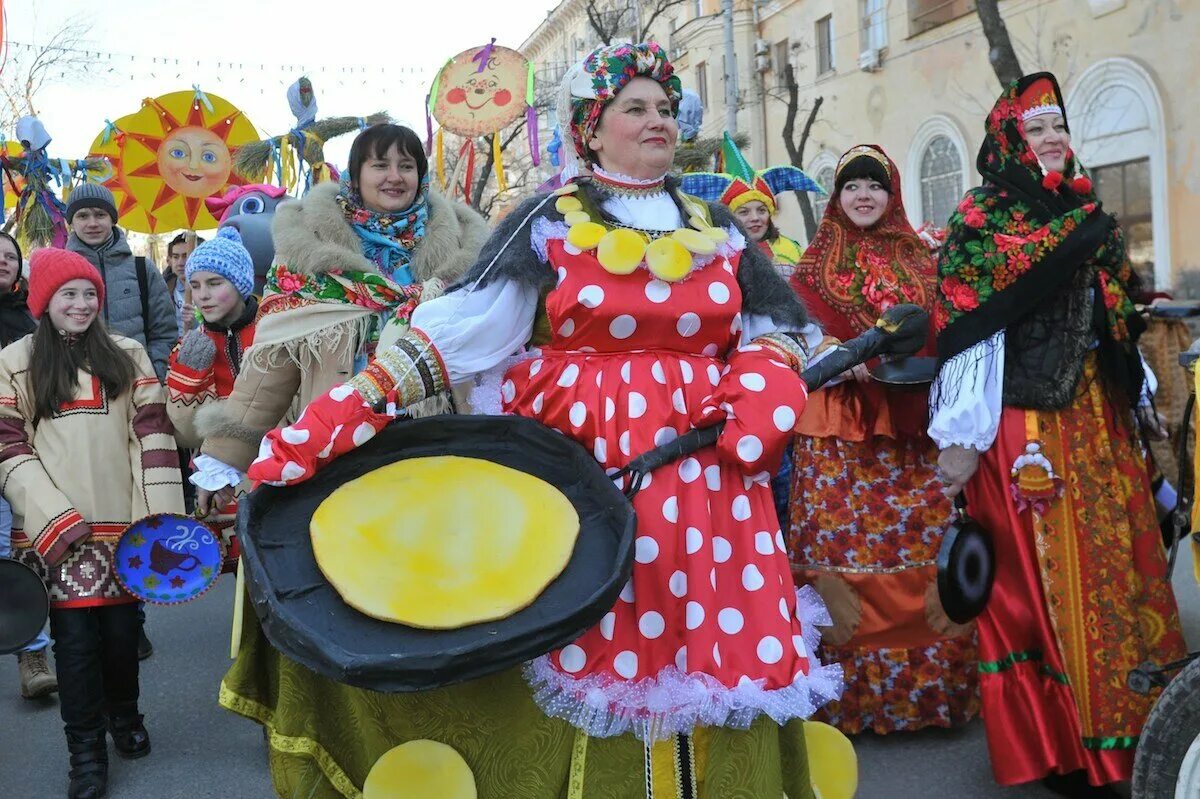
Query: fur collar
x,y
312,237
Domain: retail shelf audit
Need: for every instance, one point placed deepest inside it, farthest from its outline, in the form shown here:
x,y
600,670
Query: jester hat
x,y
737,183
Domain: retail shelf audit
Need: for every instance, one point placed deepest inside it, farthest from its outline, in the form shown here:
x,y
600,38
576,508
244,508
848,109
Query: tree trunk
x,y
795,150
1001,54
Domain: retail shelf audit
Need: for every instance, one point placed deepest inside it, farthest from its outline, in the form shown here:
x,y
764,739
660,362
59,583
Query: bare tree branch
x,y
28,70
659,7
1001,54
795,150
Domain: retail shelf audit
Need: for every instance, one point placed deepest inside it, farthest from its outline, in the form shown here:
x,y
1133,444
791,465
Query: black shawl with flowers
x,y
1026,246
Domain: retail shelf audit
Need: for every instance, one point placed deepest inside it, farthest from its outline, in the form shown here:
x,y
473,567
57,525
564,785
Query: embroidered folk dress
x,y
709,637
867,513
1081,593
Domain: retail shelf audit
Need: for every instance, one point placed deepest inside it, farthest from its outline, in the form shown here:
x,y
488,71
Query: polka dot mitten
x,y
759,397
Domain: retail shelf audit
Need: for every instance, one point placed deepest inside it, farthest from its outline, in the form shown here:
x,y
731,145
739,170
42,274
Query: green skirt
x,y
324,737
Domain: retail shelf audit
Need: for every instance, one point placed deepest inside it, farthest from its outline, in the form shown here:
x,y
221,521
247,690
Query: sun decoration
x,y
170,155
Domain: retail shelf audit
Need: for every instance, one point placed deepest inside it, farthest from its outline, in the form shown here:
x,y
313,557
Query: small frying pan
x,y
966,567
24,605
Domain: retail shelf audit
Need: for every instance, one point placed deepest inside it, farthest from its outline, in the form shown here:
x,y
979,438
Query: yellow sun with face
x,y
175,151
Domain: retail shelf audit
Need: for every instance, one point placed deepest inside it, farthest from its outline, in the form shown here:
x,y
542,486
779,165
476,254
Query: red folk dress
x,y
710,629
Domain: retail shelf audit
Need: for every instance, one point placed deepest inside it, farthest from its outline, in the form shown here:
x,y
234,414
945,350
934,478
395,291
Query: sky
x,y
394,49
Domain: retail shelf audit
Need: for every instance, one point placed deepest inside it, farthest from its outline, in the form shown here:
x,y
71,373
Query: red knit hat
x,y
50,268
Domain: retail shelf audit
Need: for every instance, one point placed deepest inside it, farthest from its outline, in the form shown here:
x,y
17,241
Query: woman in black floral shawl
x,y
1034,411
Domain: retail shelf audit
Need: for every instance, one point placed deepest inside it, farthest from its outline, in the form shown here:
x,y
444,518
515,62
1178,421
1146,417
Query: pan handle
x,y
900,331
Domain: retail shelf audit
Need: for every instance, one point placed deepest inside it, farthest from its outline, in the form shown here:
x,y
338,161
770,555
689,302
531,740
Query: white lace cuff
x,y
212,475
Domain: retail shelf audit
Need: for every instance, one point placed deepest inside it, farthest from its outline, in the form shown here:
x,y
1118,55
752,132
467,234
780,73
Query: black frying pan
x,y
966,567
305,618
24,605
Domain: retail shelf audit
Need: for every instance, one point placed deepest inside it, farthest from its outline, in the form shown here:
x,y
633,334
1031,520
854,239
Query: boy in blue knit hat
x,y
206,362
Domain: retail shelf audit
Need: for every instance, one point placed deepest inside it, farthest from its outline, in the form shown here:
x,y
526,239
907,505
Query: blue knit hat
x,y
226,256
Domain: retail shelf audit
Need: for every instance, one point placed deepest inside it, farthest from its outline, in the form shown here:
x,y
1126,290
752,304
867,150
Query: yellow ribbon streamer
x,y
440,159
498,162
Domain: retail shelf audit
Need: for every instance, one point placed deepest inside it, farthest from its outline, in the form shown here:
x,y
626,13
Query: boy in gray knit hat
x,y
137,303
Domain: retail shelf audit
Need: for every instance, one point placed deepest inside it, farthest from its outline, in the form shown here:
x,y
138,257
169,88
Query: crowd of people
x,y
624,312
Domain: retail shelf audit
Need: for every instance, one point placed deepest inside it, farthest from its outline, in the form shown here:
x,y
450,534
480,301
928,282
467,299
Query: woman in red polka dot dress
x,y
638,313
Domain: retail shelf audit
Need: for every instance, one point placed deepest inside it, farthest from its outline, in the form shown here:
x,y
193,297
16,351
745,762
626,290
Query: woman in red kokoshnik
x,y
1036,408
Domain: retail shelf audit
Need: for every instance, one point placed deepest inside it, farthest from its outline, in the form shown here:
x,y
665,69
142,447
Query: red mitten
x,y
331,425
759,397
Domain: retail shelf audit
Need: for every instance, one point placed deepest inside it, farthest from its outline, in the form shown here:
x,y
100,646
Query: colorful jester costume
x,y
736,183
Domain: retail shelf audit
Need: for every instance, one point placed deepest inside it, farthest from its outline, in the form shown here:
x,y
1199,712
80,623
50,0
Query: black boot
x,y
129,736
1075,785
89,766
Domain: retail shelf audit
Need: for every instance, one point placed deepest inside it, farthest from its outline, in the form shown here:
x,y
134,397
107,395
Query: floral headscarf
x,y
603,74
1026,234
849,276
388,240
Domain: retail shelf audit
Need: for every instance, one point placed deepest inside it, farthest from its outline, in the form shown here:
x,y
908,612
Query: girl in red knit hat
x,y
86,449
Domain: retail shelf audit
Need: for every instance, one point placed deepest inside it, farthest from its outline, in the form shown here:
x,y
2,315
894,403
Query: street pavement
x,y
204,752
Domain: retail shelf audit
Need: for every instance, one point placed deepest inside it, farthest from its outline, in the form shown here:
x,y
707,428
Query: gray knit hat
x,y
91,195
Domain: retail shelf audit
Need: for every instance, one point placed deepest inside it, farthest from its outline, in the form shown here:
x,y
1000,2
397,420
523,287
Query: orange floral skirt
x,y
866,521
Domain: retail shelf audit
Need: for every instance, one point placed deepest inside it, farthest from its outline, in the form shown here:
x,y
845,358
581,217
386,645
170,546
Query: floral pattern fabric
x,y
849,276
1018,239
866,524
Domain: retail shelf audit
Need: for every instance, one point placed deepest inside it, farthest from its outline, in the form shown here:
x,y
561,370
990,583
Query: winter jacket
x,y
123,302
189,390
313,347
79,478
15,320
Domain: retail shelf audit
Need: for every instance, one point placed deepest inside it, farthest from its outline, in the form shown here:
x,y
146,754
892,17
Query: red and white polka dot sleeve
x,y
760,398
331,425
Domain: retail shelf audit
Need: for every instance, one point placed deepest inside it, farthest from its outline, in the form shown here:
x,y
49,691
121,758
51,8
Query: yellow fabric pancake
x,y
443,542
420,770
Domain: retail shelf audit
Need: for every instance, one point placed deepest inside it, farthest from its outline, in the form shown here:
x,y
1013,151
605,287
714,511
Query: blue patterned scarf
x,y
388,240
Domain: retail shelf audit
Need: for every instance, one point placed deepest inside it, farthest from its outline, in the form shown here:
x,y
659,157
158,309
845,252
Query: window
x,y
780,62
941,180
1125,191
825,44
702,83
926,14
874,25
824,179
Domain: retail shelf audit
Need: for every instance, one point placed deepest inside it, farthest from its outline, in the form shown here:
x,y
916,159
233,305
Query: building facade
x,y
913,76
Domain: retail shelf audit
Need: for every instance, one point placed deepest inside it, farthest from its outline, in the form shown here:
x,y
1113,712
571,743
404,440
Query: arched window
x,y
1118,131
936,172
941,180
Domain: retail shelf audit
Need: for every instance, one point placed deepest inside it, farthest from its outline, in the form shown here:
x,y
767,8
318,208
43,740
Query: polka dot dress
x,y
709,629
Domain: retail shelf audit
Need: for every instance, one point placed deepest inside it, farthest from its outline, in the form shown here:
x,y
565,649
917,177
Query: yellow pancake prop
x,y
443,542
422,769
832,763
170,155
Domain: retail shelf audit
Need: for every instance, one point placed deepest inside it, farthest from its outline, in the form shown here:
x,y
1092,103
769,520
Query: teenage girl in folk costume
x,y
867,513
86,449
1034,410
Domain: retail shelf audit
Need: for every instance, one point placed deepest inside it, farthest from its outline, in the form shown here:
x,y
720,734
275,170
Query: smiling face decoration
x,y
168,157
474,102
